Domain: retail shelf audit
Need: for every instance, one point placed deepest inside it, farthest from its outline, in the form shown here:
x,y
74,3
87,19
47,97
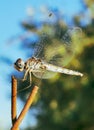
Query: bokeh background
x,y
63,102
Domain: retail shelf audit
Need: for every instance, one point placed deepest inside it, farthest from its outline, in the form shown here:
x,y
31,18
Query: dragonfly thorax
x,y
33,63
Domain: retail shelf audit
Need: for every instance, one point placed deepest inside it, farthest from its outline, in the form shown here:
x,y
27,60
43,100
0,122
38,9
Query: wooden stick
x,y
13,101
26,107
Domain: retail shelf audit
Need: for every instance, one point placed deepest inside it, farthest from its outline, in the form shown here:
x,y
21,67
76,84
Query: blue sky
x,y
11,14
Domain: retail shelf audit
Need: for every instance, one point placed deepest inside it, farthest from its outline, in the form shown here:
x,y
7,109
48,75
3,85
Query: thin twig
x,y
26,107
13,100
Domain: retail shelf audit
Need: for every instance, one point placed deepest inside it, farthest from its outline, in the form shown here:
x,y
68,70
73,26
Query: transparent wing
x,y
58,51
44,74
41,46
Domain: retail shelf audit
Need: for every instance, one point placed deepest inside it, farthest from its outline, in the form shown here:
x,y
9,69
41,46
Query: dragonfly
x,y
50,57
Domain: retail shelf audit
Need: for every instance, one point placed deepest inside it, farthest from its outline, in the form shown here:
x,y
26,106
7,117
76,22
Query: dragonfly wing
x,y
58,51
40,47
44,75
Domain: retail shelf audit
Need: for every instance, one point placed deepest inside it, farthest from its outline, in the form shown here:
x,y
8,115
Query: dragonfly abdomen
x,y
57,69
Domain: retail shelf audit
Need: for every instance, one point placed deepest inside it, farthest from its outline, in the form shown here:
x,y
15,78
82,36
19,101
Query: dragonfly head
x,y
19,64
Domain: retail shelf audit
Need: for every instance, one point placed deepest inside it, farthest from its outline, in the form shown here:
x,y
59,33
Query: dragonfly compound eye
x,y
19,64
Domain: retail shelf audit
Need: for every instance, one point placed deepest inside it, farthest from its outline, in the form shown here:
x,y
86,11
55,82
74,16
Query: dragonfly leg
x,y
25,75
30,77
24,78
